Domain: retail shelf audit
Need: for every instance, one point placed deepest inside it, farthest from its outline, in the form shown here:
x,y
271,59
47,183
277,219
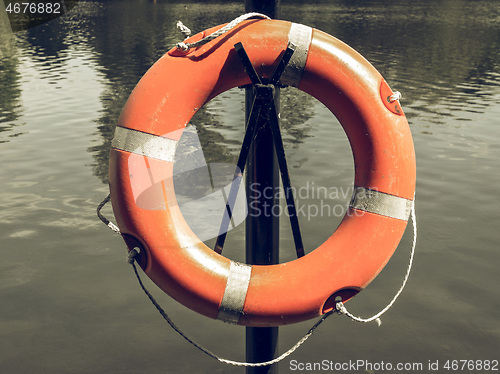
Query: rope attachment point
x,y
396,96
132,255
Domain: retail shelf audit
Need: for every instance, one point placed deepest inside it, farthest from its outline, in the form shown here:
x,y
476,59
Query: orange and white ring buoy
x,y
151,124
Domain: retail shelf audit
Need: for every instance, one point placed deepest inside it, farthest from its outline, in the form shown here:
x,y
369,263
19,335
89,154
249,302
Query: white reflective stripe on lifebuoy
x,y
381,203
300,36
235,293
145,144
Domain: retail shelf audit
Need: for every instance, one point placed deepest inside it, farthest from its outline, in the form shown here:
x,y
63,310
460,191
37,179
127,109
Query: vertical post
x,y
262,230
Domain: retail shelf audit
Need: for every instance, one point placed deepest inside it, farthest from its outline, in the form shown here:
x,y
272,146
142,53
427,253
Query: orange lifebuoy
x,y
151,124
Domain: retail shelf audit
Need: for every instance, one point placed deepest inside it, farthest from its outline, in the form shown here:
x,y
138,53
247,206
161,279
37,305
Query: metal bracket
x,y
263,105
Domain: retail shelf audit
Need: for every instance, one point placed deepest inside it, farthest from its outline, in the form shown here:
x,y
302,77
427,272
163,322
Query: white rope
x,y
106,221
186,46
183,29
340,307
284,355
396,96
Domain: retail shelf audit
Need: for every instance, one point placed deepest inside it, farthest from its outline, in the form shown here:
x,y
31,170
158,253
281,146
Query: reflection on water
x,y
71,301
9,78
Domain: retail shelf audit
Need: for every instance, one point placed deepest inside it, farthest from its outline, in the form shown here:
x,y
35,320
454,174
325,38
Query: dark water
x,y
70,303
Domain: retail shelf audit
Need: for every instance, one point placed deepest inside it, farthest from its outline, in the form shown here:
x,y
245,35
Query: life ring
x,y
151,124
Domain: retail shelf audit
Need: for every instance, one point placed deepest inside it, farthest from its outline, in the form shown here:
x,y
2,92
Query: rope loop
x,y
205,350
340,307
235,22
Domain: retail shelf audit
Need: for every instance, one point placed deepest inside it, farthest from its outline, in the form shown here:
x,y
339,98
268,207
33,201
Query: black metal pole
x,y
262,226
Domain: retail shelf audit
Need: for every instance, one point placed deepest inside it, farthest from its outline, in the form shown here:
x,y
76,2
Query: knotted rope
x,y
187,32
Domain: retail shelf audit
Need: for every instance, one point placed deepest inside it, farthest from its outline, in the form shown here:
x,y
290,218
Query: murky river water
x,y
69,301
